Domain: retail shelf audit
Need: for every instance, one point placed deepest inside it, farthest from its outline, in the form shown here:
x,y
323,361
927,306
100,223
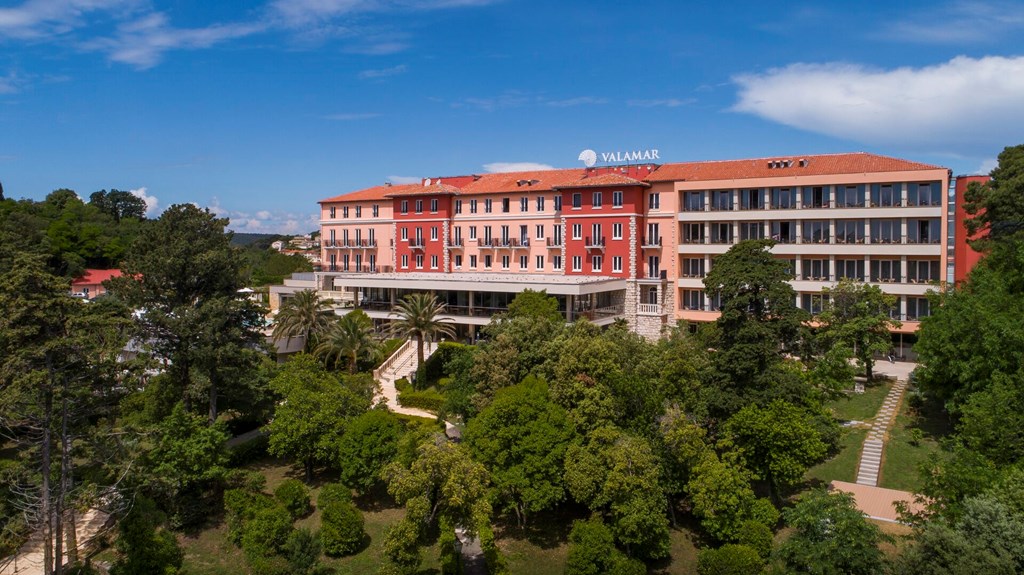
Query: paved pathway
x,y
871,456
29,559
403,366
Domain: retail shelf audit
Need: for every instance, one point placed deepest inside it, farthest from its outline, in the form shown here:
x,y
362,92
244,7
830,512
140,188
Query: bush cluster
x,y
341,523
428,399
294,495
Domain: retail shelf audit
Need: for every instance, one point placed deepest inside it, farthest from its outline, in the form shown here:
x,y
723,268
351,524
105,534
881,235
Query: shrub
x,y
370,442
428,399
496,564
592,550
273,565
401,547
143,545
266,533
303,550
255,448
294,495
435,366
341,523
757,536
246,480
729,559
402,385
240,506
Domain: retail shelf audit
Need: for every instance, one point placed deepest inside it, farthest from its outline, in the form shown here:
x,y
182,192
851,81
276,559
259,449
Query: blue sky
x,y
259,109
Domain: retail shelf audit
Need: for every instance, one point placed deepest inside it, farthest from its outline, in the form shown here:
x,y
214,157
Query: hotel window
x,y
721,233
595,263
472,206
524,262
487,205
540,263
558,203
616,231
596,199
524,236
504,235
577,263
433,234
653,267
815,197
419,261
653,235
693,202
458,236
885,195
693,299
617,264
540,231
849,231
404,207
721,200
487,234
405,234
693,233
433,205
433,262
885,232
577,200
918,307
540,203
751,199
617,199
344,262
556,262
816,270
344,237
487,262
577,231
458,206
505,205
419,236
376,210
812,302
923,231
850,196
419,206
924,194
850,269
472,262
597,234
693,268
333,211
751,230
344,212
654,200
784,232
458,261
816,232
885,271
557,229
472,232
359,237
524,204
405,260
922,271
359,211
783,198
505,262
372,262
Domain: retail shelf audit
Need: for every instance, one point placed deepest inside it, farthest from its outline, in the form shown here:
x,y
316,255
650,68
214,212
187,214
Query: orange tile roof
x,y
604,180
374,193
532,181
431,190
95,277
817,165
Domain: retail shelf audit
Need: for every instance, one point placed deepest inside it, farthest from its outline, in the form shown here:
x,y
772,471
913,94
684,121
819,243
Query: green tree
x,y
350,337
521,438
418,319
370,442
832,537
119,204
341,529
592,551
723,499
536,305
303,315
856,316
780,441
998,205
144,546
729,559
303,550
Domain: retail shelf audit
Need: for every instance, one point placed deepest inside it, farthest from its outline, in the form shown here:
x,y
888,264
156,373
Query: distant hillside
x,y
261,241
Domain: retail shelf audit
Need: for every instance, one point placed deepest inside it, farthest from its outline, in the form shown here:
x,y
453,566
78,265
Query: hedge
x,y
294,495
428,399
434,367
341,523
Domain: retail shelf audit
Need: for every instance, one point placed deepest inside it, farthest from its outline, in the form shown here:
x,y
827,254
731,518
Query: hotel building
x,y
635,241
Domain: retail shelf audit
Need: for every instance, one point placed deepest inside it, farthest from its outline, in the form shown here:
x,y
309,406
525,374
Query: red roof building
x,y
90,284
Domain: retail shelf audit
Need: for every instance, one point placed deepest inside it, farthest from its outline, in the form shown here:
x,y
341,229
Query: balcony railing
x,y
649,309
651,243
599,313
360,269
691,240
655,274
417,244
595,243
454,243
555,243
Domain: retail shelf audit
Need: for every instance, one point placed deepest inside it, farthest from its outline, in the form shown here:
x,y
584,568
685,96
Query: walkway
x,y
878,503
401,364
29,559
871,456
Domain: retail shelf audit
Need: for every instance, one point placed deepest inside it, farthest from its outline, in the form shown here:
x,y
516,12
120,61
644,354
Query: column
x,y
831,274
903,230
569,302
472,296
831,231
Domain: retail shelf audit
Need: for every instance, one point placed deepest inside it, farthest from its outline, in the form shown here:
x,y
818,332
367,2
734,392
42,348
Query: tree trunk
x,y
213,400
309,470
419,351
352,363
72,536
868,364
44,488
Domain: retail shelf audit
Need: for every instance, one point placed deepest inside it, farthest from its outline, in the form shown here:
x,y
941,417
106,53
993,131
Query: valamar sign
x,y
589,157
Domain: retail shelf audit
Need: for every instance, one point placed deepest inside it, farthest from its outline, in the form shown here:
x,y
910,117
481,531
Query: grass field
x,y
901,459
861,406
843,466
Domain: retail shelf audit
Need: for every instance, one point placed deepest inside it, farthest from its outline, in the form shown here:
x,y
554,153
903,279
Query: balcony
x,y
595,243
692,240
651,243
655,274
417,244
649,309
454,243
360,269
555,243
516,244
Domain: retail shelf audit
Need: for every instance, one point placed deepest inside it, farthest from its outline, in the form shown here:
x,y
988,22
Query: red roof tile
x,y
374,193
604,180
431,190
533,181
95,277
819,165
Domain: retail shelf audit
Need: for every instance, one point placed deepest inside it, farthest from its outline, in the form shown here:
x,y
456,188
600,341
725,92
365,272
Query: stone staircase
x,y
871,456
401,364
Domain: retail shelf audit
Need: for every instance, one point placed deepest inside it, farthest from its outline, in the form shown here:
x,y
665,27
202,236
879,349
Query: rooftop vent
x,y
803,162
776,164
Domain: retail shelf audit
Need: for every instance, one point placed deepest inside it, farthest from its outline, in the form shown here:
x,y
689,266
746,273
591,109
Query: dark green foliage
x,y
303,551
341,523
537,305
757,536
370,442
271,267
119,204
592,551
294,495
832,537
245,479
266,533
144,546
252,450
451,559
435,366
496,562
240,506
856,318
729,559
998,205
427,399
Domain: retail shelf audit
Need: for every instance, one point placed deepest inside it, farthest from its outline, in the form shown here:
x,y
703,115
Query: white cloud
x,y
580,101
987,165
958,22
152,203
34,19
499,167
958,107
383,72
304,12
10,83
350,117
404,179
510,99
265,221
666,103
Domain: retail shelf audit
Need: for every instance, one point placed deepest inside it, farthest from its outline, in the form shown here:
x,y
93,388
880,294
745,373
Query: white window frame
x,y
577,231
616,199
617,231
616,264
577,263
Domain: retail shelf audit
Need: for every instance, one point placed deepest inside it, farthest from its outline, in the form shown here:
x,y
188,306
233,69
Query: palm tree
x,y
349,337
417,317
305,315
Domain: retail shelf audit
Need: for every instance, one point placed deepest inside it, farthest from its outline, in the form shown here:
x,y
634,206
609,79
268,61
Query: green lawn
x,y
861,406
843,466
901,459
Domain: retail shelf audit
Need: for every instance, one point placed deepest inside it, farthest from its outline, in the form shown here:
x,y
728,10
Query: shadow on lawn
x,y
547,530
